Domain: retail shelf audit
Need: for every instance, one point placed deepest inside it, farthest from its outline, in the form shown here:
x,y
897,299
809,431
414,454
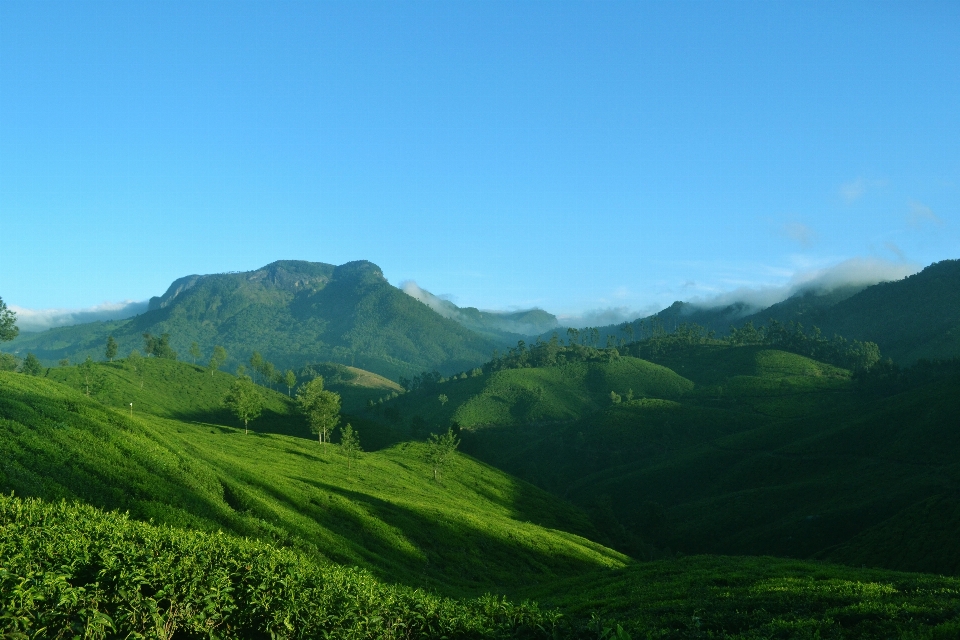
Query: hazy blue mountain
x,y
913,318
500,325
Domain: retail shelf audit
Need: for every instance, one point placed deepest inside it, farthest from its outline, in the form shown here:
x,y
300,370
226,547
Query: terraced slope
x,y
532,395
479,530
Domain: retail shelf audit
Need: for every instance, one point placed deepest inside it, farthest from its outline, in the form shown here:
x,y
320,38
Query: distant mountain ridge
x,y
294,312
917,317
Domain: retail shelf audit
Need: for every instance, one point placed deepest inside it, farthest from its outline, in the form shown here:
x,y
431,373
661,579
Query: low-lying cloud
x,y
856,272
444,307
42,319
518,321
600,317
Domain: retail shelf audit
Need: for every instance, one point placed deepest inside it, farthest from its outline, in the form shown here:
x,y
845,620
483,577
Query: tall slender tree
x,y
440,448
256,363
349,444
111,350
195,352
290,379
217,359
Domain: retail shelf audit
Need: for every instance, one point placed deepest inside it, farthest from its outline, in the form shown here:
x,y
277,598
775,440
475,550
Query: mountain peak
x,y
358,270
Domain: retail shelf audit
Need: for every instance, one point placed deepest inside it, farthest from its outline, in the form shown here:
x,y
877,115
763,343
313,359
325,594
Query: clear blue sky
x,y
573,156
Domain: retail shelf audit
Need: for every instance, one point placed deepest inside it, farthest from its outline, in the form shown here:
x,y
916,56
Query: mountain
x,y
502,325
292,312
915,318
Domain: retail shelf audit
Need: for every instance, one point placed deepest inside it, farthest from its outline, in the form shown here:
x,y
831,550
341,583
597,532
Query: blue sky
x,y
573,156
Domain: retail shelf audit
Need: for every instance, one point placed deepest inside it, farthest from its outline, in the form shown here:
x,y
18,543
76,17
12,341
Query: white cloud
x,y
920,215
855,189
860,272
800,233
444,307
42,319
603,316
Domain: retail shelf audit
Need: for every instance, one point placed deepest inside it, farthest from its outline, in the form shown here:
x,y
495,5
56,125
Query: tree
x,y
135,364
64,362
321,407
217,359
159,347
8,362
290,379
162,348
443,399
440,448
91,377
31,366
111,351
244,401
267,371
256,362
615,397
195,352
8,323
349,444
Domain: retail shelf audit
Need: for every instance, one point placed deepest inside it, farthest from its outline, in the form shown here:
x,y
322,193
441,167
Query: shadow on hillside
x,y
373,436
270,421
501,559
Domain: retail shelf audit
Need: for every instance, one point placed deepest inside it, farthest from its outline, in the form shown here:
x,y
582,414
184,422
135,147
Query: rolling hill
x,y
386,514
760,451
718,449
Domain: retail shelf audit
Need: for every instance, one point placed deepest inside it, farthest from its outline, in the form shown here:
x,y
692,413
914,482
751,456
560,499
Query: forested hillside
x,y
292,312
915,318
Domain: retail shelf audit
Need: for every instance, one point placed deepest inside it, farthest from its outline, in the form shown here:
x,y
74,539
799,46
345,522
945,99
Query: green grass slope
x,y
479,530
534,394
356,386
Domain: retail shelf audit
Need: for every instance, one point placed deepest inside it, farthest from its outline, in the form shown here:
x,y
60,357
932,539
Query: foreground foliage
x,y
72,570
68,571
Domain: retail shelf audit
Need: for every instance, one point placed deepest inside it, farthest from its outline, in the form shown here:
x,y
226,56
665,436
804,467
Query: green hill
x,y
529,395
356,386
764,452
293,313
386,514
752,450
